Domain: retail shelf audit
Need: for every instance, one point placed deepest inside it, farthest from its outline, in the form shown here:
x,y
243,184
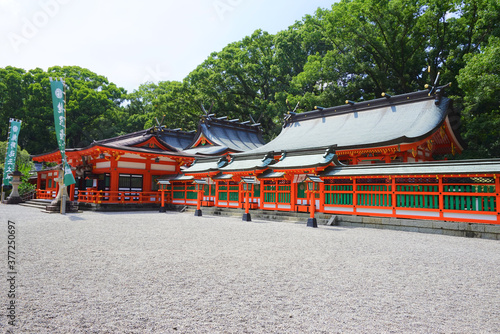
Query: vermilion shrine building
x,y
370,158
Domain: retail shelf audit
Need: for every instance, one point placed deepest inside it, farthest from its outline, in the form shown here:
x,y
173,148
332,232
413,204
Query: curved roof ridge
x,y
401,119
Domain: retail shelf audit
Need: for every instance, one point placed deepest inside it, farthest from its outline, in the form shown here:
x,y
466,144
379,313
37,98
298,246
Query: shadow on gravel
x,y
76,217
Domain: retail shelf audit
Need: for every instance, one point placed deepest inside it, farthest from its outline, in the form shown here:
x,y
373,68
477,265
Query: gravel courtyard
x,y
147,272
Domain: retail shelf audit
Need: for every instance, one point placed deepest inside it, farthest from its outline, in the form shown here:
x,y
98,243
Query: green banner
x,y
58,103
11,152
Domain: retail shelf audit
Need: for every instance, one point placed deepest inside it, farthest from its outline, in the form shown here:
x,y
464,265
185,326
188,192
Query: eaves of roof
x,y
470,167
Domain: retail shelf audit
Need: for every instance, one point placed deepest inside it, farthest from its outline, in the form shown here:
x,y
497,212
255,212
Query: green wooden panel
x,y
178,195
191,195
270,197
284,198
256,190
233,196
301,190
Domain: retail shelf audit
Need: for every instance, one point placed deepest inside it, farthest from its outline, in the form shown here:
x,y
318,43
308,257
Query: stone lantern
x,y
14,197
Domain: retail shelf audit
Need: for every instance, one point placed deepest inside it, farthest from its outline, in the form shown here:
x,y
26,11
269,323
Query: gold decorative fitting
x,y
414,152
430,144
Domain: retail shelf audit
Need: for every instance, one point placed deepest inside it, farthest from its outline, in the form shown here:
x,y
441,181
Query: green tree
x,y
169,102
93,106
480,82
90,99
23,164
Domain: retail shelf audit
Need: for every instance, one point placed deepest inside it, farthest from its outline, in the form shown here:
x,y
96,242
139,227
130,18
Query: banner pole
x,y
63,159
6,153
6,150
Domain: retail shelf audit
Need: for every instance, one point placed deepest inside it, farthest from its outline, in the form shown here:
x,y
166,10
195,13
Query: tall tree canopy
x,y
91,103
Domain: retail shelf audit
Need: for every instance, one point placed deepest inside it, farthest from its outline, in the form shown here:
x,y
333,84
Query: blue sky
x,y
131,42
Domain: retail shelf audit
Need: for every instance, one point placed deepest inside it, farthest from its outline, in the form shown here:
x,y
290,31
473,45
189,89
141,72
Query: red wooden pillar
x,y
114,181
394,198
146,186
241,196
321,197
262,187
312,204
276,196
293,195
497,191
59,173
247,207
441,197
216,199
354,196
162,209
198,203
246,215
72,192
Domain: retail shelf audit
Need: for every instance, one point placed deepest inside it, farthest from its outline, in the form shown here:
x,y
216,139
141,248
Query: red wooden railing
x,y
463,198
46,194
105,196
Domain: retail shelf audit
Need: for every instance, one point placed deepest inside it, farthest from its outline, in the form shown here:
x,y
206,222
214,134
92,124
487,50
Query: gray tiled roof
x,y
202,166
304,160
177,139
207,150
229,136
174,140
403,119
245,163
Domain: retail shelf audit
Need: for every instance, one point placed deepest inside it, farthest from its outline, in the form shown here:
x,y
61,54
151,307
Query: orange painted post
x,y
312,206
313,186
247,185
72,192
441,197
322,197
199,187
198,202
393,194
247,204
162,208
497,191
216,199
354,196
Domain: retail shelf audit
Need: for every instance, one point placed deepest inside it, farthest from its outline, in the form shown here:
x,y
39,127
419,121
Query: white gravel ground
x,y
148,272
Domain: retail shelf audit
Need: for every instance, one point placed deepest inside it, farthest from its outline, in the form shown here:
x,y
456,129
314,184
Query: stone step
x,y
38,200
33,205
36,203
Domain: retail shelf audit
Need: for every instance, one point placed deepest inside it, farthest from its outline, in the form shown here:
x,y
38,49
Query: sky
x,y
133,42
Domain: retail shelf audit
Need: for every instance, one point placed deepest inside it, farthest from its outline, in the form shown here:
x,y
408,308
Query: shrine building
x,y
125,169
382,157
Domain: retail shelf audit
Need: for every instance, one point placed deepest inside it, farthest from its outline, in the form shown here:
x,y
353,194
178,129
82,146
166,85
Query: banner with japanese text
x,y
57,88
11,151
